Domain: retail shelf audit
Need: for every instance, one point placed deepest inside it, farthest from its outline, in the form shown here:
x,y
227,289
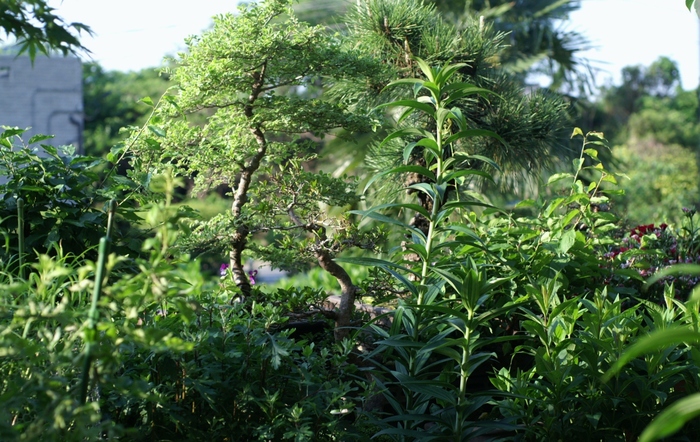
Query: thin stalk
x,y
20,234
111,209
91,328
580,164
464,373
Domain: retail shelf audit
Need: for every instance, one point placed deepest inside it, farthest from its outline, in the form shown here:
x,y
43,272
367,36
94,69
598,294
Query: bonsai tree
x,y
254,76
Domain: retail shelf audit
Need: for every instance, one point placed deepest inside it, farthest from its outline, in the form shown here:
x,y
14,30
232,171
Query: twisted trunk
x,y
324,257
240,197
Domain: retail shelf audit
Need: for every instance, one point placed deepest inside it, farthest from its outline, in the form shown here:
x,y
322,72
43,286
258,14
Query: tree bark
x,y
240,196
348,291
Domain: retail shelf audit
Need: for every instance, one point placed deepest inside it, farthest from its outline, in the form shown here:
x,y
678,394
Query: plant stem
x,y
20,234
90,333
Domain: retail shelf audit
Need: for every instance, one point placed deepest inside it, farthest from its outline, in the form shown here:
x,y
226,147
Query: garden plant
x,y
550,320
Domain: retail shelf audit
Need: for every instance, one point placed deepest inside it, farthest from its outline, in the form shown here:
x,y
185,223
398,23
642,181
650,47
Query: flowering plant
x,y
647,249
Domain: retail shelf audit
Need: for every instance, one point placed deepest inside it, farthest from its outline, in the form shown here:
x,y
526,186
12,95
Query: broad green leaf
x,y
568,239
577,131
11,132
38,138
156,130
591,152
526,203
147,100
672,419
558,177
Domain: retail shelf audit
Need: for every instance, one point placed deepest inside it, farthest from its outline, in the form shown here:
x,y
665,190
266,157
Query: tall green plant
x,y
434,343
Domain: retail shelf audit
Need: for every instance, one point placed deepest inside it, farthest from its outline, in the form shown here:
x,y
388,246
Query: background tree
x,y
111,102
396,31
652,122
35,28
539,41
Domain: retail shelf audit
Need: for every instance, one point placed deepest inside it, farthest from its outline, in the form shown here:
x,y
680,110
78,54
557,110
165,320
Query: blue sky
x,y
136,34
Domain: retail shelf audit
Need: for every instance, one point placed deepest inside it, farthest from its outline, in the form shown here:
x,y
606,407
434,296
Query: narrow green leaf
x,y
484,159
414,169
466,172
677,269
428,143
446,73
656,341
465,92
411,81
468,204
370,262
417,207
425,67
672,419
425,188
385,219
409,131
470,133
413,104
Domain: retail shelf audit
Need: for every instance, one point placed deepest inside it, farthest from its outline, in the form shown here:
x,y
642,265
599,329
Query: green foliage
x,y
662,180
64,197
530,124
165,355
37,29
111,102
504,324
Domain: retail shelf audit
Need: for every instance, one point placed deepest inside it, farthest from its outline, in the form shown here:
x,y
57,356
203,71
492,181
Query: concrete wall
x,y
48,97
